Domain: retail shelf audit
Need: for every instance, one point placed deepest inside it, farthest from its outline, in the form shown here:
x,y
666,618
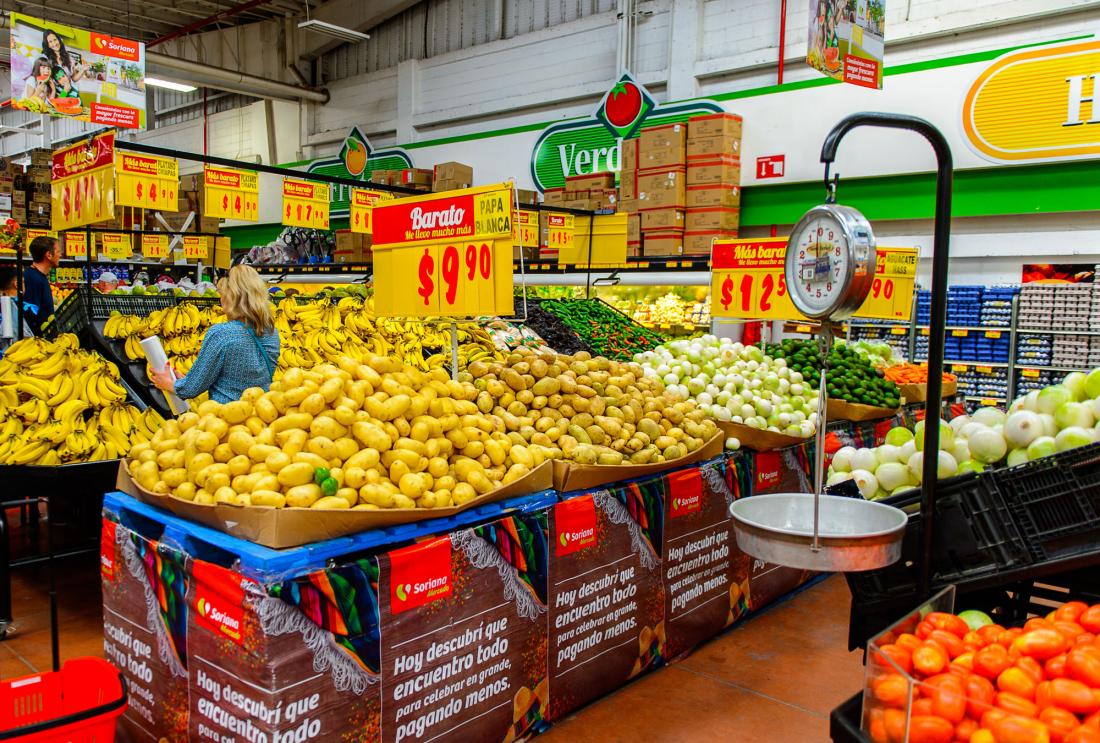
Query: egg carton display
x,y
924,306
899,344
1056,306
997,306
964,305
1034,349
1035,379
976,382
294,245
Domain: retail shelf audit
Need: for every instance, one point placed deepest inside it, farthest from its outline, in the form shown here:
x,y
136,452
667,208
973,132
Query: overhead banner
x,y
61,70
846,40
82,189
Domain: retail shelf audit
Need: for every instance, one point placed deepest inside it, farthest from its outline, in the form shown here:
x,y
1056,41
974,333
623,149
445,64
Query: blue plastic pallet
x,y
259,562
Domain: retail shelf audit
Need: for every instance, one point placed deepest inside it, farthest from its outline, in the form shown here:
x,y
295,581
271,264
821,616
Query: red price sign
x,y
748,282
456,249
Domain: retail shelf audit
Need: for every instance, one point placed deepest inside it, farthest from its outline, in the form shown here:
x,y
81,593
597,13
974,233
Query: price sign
x,y
116,246
560,235
747,280
959,333
231,194
305,204
891,295
1030,373
958,367
82,190
897,331
196,247
984,369
76,244
154,246
33,233
362,208
147,182
802,328
455,247
992,334
527,228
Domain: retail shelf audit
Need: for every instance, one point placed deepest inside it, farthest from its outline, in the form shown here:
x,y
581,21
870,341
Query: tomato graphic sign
x,y
625,107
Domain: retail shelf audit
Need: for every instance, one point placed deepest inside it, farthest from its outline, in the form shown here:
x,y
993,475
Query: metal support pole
x,y
454,350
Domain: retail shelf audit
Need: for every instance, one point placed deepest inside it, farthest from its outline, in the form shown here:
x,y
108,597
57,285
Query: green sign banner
x,y
357,160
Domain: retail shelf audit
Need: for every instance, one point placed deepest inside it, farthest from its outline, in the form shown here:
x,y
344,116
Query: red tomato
x,y
965,730
929,659
991,660
982,736
1083,664
1093,720
1016,681
1090,619
1041,643
990,632
1073,695
974,639
1031,667
1083,734
893,721
900,656
1059,722
891,690
1085,637
1042,695
1071,630
952,643
991,717
921,707
908,642
979,696
1055,668
1007,637
877,728
1038,623
949,622
1015,729
949,700
963,665
923,629
930,729
1014,704
1070,611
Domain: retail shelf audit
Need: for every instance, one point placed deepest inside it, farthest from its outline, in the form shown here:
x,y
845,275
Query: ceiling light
x,y
156,82
331,29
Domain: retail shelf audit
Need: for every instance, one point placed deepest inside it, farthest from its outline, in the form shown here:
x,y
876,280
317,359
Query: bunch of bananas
x,y
59,404
180,329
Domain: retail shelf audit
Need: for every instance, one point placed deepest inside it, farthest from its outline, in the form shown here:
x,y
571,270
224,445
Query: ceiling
x,y
149,20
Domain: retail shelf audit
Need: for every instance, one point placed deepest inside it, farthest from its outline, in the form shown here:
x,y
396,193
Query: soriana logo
x,y
112,46
767,469
574,525
219,600
107,550
1037,104
420,574
686,492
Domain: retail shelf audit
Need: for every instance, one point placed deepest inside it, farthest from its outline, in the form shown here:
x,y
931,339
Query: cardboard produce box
x,y
449,185
633,228
554,196
416,177
714,169
576,195
727,195
570,476
663,188
712,219
19,198
590,182
663,243
714,146
350,247
454,172
7,184
629,154
715,125
700,243
662,220
661,146
628,185
527,197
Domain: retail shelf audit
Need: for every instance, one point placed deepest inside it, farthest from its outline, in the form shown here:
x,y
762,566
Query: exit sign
x,y
771,166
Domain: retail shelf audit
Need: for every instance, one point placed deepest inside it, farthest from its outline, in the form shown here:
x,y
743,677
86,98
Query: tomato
x,y
1083,664
1071,630
1031,667
1059,722
921,707
949,700
1007,637
979,696
1015,729
923,629
930,729
900,657
982,736
991,717
891,690
893,721
965,730
1038,623
963,665
953,644
1083,734
1085,637
974,639
990,632
1042,695
877,728
1055,668
1074,696
1070,611
1090,619
991,661
929,659
1014,704
1016,681
1093,720
949,622
908,642
1041,643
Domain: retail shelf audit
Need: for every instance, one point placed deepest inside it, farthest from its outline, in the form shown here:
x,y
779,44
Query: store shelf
x,y
1043,331
991,364
976,328
1054,368
979,398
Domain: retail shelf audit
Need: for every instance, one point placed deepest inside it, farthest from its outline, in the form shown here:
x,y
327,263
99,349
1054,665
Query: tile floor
x,y
774,678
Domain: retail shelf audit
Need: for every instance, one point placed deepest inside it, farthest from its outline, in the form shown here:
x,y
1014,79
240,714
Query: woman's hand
x,y
165,379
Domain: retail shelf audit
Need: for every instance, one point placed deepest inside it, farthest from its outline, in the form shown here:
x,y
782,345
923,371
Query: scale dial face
x,y
830,262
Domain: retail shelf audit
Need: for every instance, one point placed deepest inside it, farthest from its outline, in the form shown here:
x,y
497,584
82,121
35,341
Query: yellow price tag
x,y
924,331
33,233
748,280
196,247
988,402
147,182
362,207
116,246
992,334
1030,373
959,333
984,369
959,367
154,246
527,228
455,247
898,331
76,244
891,295
231,194
560,229
802,328
83,189
305,204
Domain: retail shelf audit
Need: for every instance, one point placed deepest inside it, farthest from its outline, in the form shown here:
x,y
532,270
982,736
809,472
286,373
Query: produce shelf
x,y
992,364
1052,368
1045,331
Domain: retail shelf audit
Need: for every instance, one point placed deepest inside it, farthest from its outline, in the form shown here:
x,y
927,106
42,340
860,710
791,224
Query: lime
x,y
320,475
329,486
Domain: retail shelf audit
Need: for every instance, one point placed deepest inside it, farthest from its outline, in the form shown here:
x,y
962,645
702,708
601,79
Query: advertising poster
x,y
846,40
84,75
1058,273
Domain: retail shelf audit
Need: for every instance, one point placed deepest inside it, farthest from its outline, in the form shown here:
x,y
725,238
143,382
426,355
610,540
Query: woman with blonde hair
x,y
237,354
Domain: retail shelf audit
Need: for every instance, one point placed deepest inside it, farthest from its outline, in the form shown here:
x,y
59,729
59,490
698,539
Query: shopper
x,y
9,288
37,294
237,354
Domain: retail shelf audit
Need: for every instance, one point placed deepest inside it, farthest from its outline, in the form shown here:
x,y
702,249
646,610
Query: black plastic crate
x,y
129,304
1055,501
71,316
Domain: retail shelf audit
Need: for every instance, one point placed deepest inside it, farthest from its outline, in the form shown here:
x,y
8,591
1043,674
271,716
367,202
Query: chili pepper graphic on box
x,y
606,618
144,631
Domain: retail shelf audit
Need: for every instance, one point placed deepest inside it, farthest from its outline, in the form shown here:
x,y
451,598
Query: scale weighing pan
x,y
853,535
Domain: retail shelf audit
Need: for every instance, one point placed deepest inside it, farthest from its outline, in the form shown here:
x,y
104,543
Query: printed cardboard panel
x,y
144,629
606,619
463,621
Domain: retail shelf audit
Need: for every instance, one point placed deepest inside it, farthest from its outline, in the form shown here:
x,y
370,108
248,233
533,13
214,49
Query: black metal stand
x,y
938,320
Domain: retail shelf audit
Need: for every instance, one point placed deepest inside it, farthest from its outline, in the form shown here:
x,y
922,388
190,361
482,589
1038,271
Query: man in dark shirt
x,y
46,254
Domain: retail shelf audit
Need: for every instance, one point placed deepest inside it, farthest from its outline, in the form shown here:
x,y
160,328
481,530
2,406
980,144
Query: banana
x,y
28,452
61,389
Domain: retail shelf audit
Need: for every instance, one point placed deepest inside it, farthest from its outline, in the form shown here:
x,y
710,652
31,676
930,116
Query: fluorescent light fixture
x,y
156,82
331,29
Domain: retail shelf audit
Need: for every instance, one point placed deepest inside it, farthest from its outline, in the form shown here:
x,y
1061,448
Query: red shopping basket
x,y
79,703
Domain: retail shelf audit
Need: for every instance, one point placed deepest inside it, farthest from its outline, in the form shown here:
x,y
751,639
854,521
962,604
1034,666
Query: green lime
x,y
320,475
329,486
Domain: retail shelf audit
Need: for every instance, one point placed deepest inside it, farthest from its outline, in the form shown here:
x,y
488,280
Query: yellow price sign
x,y
891,295
305,204
33,233
959,333
898,331
147,182
82,191
116,246
748,280
560,235
527,228
993,334
196,247
455,247
984,369
959,367
802,328
362,208
231,194
1030,373
76,244
154,246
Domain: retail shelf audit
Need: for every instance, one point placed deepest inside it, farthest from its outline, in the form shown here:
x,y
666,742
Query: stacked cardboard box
x,y
591,192
713,181
35,185
452,176
660,157
418,179
188,216
352,247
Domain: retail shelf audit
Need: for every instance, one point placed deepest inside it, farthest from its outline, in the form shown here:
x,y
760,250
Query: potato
x,y
260,452
185,491
225,494
609,457
267,498
371,436
276,461
242,499
215,481
322,446
314,461
292,441
295,474
364,459
303,496
413,485
515,472
174,477
204,497
463,493
331,503
222,453
403,501
291,420
376,495
239,442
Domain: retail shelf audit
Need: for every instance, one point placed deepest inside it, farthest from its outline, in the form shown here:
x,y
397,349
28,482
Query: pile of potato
x,y
595,410
365,436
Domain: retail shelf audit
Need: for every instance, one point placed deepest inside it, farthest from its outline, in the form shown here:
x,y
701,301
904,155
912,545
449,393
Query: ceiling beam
x,y
116,26
354,14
